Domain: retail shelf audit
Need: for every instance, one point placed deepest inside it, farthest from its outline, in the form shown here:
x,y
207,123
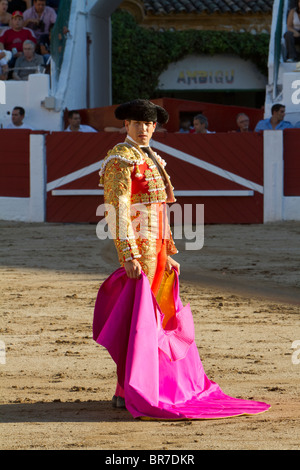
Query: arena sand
x,y
57,384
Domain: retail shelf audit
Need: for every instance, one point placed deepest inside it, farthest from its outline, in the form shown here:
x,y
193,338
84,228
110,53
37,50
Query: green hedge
x,y
140,55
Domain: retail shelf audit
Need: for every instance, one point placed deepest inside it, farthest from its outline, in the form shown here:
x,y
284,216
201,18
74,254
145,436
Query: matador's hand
x,y
133,268
171,263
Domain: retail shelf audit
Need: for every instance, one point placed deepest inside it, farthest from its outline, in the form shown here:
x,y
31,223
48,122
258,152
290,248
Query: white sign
x,y
218,72
291,92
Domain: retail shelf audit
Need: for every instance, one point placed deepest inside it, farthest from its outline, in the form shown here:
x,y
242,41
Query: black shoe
x,y
121,402
118,402
114,401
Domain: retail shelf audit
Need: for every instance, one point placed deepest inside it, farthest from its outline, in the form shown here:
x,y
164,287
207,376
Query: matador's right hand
x,y
133,268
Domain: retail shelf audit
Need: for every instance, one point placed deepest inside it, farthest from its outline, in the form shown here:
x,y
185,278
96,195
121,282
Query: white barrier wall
x,y
31,95
277,207
33,208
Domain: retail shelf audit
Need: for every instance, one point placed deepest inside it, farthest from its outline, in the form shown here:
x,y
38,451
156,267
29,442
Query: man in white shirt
x,y
17,117
75,123
201,124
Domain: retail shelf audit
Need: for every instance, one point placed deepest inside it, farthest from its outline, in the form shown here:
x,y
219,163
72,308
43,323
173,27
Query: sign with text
x,y
218,72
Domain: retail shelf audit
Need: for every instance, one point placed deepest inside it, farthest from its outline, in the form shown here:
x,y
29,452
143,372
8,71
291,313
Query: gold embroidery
x,y
117,190
123,218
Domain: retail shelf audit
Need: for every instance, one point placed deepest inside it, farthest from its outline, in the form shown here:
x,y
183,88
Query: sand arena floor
x,y
56,384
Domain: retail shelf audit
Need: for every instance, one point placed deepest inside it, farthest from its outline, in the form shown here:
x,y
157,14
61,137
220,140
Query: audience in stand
x,y
17,119
30,20
12,38
276,121
28,63
39,18
75,125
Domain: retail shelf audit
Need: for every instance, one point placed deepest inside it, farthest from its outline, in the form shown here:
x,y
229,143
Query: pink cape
x,y
159,369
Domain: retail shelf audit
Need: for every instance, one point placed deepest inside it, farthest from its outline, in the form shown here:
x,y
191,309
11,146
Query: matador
x,y
136,191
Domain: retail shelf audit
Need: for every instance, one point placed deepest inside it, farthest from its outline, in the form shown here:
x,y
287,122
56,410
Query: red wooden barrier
x,y
223,171
236,164
14,163
68,153
291,152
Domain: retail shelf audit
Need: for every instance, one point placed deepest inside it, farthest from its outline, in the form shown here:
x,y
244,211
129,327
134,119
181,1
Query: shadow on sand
x,y
49,412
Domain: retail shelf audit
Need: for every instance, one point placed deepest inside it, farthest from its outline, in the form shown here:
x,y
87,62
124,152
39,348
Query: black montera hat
x,y
142,110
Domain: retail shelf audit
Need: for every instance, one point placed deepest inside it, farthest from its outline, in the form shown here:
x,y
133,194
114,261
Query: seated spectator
x,y
4,15
20,5
12,38
75,123
185,126
45,49
276,121
242,121
5,57
28,63
39,18
292,35
201,125
17,117
3,66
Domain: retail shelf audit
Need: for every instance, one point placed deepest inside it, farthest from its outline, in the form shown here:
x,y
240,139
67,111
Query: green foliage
x,y
140,55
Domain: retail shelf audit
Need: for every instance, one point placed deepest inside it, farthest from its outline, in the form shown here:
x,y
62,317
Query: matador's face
x,y
140,131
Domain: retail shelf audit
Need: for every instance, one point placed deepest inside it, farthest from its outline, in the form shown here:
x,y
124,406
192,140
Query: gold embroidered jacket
x,y
133,182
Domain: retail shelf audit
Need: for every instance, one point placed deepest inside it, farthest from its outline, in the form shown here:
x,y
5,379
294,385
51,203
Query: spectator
x,y
4,15
28,63
3,66
276,121
201,125
39,18
292,35
21,5
75,123
12,38
17,117
242,121
45,50
185,125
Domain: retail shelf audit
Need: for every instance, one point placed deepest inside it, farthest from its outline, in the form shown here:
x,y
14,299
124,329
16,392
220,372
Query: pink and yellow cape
x,y
152,343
